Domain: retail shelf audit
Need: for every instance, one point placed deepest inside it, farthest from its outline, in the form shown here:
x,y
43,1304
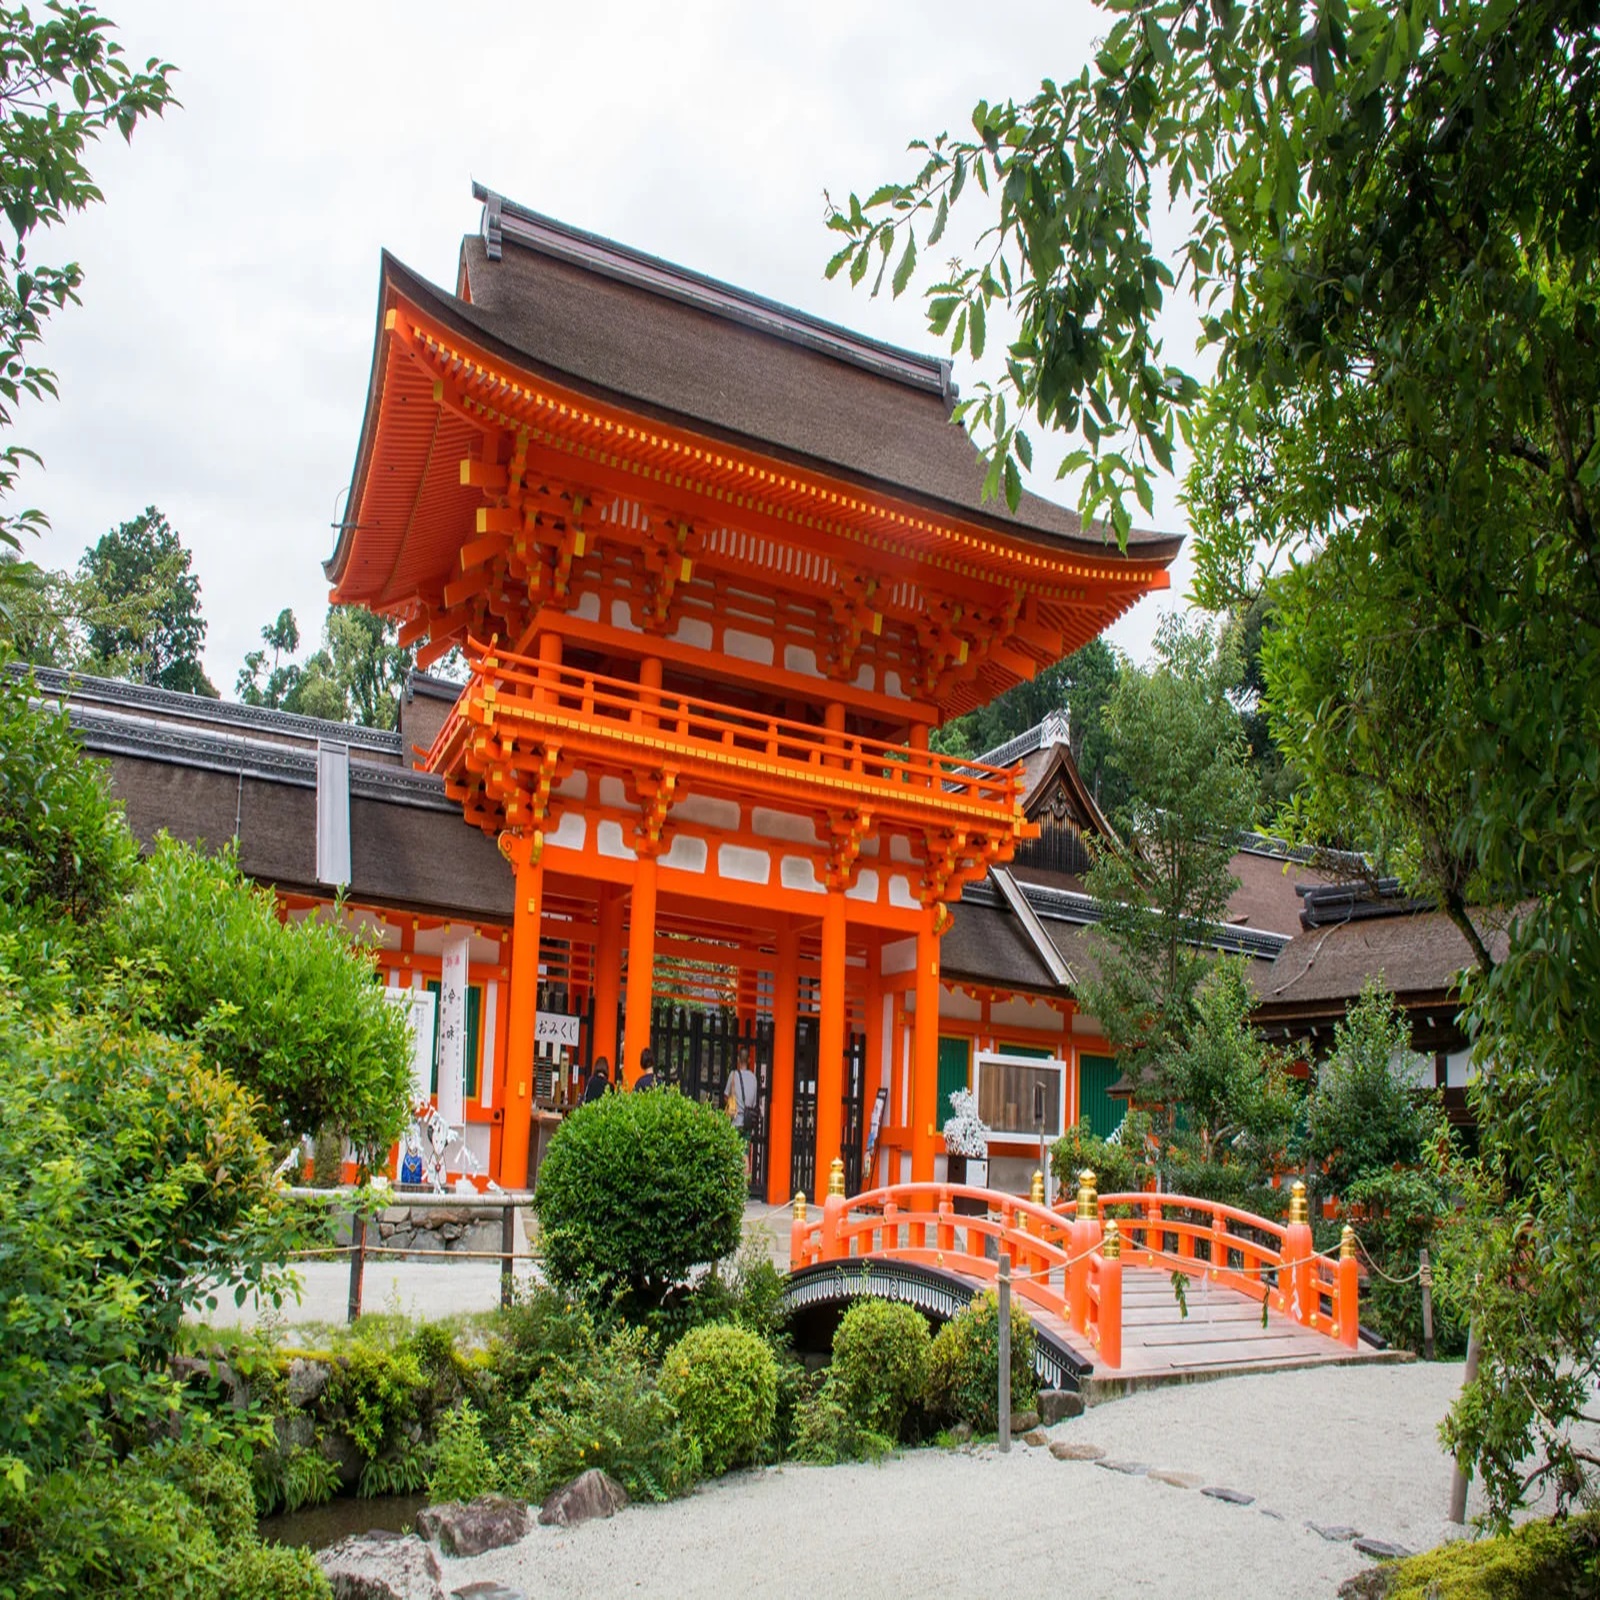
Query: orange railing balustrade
x,y
1269,1261
509,693
1058,1266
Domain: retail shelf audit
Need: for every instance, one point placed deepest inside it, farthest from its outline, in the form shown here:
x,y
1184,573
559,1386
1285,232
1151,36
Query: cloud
x,y
219,364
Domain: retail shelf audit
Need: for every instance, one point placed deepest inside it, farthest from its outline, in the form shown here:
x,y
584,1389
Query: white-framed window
x,y
1012,1090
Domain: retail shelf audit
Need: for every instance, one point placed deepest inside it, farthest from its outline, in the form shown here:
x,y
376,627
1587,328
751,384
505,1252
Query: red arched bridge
x,y
1119,1286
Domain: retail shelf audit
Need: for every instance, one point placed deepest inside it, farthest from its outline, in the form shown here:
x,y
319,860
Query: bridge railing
x,y
1269,1261
1061,1266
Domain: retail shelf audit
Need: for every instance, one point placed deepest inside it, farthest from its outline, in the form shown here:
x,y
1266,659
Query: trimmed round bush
x,y
723,1382
637,1189
881,1353
964,1366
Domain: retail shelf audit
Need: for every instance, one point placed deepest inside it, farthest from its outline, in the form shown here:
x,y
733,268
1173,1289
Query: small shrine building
x,y
717,569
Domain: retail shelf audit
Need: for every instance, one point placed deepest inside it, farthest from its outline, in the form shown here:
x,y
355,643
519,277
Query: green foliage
x,y
463,1465
723,1383
133,1528
881,1357
67,51
609,1414
1538,1561
130,1173
356,676
827,1432
1363,1117
542,1330
1397,1215
375,1390
1166,885
142,605
290,1479
287,1009
1239,1102
635,1191
964,1364
1120,1166
65,851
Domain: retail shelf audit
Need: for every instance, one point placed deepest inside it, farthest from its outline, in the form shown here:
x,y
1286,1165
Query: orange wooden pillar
x,y
872,1074
522,1012
925,1055
785,1018
607,975
641,963
830,1040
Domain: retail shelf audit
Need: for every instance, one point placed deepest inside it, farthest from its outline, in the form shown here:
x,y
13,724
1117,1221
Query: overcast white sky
x,y
219,363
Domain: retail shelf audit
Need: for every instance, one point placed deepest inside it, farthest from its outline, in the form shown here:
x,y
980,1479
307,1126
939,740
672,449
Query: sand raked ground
x,y
1344,1447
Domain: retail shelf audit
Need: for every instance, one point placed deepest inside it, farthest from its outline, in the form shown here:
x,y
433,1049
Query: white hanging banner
x,y
453,1030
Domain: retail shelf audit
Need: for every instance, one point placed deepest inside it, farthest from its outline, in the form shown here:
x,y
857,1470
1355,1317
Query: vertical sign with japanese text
x,y
453,1030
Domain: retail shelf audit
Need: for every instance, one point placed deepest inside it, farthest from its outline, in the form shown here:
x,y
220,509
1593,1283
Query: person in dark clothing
x,y
647,1072
599,1081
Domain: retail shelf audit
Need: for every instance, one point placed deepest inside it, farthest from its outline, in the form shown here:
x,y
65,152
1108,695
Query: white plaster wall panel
x,y
747,646
575,786
891,685
491,1007
1086,1024
742,864
905,1166
960,1006
900,956
798,658
693,630
869,848
571,832
787,825
622,616
608,841
864,676
688,854
866,885
1019,1013
799,872
612,793
900,848
1458,1069
900,892
708,811
588,606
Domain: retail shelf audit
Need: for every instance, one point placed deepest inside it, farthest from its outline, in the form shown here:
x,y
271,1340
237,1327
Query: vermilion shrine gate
x,y
718,568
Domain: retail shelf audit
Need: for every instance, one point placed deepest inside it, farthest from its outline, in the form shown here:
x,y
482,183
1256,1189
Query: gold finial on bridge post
x,y
1299,1211
1347,1243
1111,1245
836,1176
799,1205
1036,1194
1087,1200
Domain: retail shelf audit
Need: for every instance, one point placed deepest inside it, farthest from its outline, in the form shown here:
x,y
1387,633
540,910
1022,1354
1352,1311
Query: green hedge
x,y
882,1352
635,1191
964,1366
723,1383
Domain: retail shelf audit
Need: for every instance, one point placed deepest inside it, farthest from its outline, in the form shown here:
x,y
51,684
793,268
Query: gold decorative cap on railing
x,y
836,1177
1111,1245
1086,1193
1036,1193
1299,1211
799,1205
1347,1243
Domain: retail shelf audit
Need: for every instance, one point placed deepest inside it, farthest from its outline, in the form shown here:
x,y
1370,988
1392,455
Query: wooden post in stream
x,y
1458,1483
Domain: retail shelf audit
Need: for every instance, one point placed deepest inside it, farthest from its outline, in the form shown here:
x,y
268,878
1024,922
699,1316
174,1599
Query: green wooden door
x,y
955,1072
1096,1074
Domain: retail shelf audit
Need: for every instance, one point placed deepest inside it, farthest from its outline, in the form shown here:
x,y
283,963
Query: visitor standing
x,y
647,1071
743,1101
599,1081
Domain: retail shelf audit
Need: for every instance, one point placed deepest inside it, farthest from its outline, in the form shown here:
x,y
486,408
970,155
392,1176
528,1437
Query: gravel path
x,y
1336,1445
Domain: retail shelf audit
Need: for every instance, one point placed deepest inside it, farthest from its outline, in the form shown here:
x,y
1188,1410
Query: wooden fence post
x,y
358,1262
508,1244
1004,1282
